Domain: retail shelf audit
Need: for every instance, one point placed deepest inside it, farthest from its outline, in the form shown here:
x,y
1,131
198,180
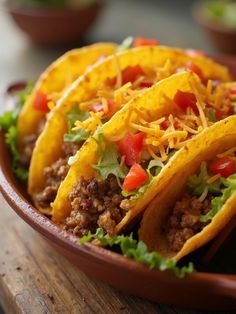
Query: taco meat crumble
x,y
28,143
95,204
184,221
55,174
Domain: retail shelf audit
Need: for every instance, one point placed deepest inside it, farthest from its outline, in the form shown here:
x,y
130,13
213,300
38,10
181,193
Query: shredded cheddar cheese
x,y
122,160
90,124
162,134
227,153
213,178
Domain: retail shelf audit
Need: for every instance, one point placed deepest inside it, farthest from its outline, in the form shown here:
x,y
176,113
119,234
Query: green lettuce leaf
x,y
219,201
7,120
212,114
198,182
137,250
80,135
126,44
8,124
76,115
109,163
76,136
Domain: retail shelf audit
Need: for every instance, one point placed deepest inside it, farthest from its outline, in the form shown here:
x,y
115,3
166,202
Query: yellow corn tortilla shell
x,y
148,104
56,78
48,148
218,138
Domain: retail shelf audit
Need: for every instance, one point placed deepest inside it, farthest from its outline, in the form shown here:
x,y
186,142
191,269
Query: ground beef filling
x,y
184,221
54,175
28,144
28,147
95,204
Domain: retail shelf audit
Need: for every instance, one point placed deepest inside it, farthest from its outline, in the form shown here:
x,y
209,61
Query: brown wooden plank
x,y
35,279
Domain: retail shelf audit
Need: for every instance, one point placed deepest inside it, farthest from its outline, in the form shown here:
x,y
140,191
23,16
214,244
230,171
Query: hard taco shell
x,y
216,139
56,78
149,104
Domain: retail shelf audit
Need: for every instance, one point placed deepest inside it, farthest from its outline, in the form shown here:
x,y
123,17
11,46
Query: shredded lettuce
x,y
79,135
212,114
126,44
8,124
137,250
222,189
219,201
76,136
197,182
108,163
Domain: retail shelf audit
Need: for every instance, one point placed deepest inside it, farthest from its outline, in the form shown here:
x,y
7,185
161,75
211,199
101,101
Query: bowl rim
x,y
197,12
50,11
226,283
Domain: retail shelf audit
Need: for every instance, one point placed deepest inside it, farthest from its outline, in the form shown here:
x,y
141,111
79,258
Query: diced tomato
x,y
232,91
41,102
224,114
136,177
98,107
193,67
219,115
130,147
164,125
112,107
185,100
223,166
111,81
140,41
146,84
138,141
196,69
131,73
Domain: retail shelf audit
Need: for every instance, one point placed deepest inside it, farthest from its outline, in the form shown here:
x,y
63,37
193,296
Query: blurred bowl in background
x,y
221,36
55,26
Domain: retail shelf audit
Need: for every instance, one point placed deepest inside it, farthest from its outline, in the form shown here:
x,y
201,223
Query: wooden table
x,y
35,279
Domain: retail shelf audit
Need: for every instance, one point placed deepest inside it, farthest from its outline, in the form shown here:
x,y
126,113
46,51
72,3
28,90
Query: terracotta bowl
x,y
221,36
199,290
55,26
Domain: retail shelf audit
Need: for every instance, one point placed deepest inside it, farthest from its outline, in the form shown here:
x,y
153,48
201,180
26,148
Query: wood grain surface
x,y
35,279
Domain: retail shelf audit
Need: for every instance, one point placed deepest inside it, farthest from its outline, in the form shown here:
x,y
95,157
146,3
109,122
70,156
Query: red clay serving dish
x,y
197,290
50,26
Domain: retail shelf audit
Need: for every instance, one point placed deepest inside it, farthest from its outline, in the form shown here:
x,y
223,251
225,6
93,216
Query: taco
x,y
49,88
94,98
200,196
121,168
